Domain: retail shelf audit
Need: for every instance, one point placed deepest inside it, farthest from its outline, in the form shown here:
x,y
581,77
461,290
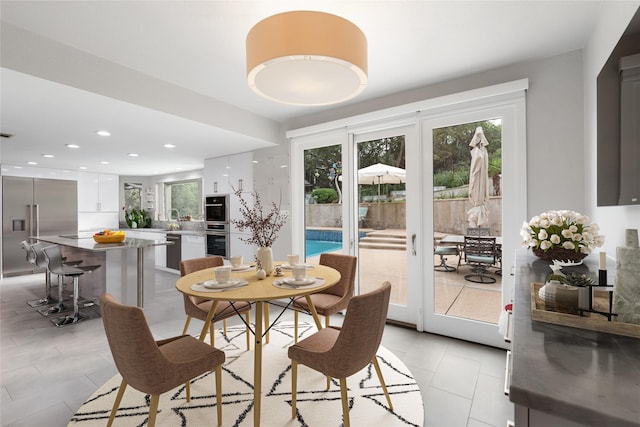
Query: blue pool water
x,y
316,247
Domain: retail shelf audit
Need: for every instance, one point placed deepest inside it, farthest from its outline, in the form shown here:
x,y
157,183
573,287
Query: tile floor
x,y
46,372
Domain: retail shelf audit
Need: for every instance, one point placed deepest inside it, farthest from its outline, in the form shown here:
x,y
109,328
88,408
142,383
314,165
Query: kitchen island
x,y
127,269
564,376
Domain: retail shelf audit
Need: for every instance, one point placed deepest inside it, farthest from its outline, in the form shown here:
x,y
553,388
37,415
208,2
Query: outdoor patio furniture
x,y
443,252
362,215
480,253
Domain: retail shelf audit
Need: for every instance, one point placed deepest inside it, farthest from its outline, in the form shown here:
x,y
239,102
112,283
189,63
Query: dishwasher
x,y
174,251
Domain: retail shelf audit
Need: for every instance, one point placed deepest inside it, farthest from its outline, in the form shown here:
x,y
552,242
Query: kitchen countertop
x,y
85,241
165,230
589,377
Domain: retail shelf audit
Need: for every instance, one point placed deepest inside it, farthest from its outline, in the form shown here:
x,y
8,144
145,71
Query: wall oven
x,y
217,240
216,208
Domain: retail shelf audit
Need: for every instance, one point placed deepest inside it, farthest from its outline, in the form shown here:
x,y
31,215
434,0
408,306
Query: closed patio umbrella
x,y
478,215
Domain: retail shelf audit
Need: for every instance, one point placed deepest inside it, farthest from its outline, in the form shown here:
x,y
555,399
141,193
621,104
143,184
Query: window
x,y
132,196
183,200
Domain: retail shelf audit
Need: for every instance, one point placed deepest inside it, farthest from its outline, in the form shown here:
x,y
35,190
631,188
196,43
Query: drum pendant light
x,y
306,58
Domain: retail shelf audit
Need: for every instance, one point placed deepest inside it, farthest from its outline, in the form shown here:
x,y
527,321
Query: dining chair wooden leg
x,y
295,326
345,401
212,335
294,386
328,382
219,393
188,390
116,404
247,331
186,325
382,383
224,327
153,409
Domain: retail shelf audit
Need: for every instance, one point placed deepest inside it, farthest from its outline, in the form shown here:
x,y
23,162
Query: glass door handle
x,y
413,244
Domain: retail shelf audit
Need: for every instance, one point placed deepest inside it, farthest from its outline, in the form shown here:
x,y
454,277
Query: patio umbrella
x,y
380,173
478,215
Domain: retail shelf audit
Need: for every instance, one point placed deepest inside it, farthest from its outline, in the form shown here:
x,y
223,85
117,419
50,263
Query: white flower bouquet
x,y
561,235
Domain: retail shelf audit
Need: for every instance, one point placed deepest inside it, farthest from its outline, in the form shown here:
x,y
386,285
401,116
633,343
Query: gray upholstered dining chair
x,y
155,367
199,307
341,352
334,299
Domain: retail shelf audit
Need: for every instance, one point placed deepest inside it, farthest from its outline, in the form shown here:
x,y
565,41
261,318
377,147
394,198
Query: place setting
x,y
294,260
222,281
298,279
237,264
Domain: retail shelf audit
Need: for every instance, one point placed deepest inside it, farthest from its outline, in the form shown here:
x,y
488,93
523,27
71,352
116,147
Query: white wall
x,y
613,220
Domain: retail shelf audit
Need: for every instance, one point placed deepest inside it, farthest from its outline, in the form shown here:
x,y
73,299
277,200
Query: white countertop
x,y
85,241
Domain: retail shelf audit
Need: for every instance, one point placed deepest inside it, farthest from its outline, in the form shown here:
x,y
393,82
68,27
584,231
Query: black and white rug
x,y
316,406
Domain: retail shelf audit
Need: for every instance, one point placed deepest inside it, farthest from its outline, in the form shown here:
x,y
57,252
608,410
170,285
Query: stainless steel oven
x,y
217,239
216,208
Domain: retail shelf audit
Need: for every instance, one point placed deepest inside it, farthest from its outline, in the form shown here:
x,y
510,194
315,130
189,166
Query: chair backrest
x,y
133,348
480,246
196,264
41,258
54,258
346,265
31,255
362,211
361,331
479,231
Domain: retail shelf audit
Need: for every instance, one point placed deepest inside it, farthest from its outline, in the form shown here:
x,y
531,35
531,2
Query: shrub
x,y
324,195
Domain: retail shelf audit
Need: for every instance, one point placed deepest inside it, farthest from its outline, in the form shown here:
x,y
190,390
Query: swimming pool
x,y
316,247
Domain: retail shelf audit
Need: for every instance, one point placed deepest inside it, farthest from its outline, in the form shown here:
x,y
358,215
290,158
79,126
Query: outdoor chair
x,y
336,298
362,215
443,252
341,352
155,367
479,231
199,307
480,253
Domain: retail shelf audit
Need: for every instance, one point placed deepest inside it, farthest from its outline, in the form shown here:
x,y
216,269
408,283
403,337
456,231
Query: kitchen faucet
x,y
171,213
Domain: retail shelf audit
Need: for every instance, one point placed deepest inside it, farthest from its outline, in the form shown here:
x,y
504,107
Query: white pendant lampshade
x,y
306,58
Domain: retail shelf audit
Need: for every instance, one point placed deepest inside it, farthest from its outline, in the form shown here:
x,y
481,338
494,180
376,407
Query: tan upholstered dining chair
x,y
155,367
341,352
199,307
331,300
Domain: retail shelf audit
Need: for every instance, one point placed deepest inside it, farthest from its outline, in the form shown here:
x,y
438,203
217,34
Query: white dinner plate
x,y
288,267
212,284
303,282
241,268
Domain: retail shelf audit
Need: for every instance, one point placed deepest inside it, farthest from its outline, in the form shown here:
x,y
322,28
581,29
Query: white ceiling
x,y
156,72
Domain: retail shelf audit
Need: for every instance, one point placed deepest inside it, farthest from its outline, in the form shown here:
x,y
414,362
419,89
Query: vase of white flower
x,y
561,235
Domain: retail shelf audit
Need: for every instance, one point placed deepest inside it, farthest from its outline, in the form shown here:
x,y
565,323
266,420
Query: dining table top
x,y
258,289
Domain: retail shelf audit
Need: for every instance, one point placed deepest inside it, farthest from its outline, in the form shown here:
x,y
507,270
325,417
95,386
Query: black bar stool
x,y
41,261
31,257
55,265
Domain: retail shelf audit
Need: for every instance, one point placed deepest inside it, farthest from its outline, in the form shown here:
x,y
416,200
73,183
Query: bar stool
x,y
55,265
35,255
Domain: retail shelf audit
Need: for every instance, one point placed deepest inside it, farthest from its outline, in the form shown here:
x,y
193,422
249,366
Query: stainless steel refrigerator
x,y
34,207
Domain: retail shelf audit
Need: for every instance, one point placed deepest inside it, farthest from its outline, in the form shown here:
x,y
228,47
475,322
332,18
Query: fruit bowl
x,y
113,238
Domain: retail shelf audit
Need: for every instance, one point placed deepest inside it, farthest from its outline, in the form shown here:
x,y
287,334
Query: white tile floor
x,y
46,372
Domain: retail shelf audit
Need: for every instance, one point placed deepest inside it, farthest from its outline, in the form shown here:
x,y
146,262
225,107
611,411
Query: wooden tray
x,y
590,321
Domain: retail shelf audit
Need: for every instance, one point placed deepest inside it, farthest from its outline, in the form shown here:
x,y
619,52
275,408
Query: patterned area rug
x,y
316,406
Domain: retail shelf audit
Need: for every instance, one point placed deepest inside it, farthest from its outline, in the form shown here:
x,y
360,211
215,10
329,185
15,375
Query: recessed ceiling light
x,y
132,155
32,163
103,133
72,146
48,156
169,146
82,167
104,162
255,161
284,166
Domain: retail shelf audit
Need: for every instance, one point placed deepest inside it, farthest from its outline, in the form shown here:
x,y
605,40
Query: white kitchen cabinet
x,y
238,247
192,247
225,175
98,192
160,250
